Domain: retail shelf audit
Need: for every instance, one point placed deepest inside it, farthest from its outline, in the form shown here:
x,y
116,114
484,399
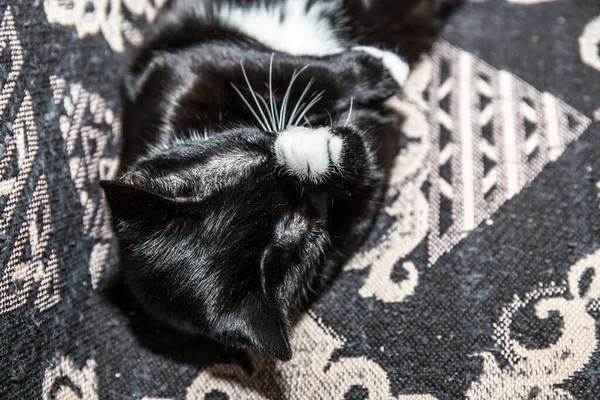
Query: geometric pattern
x,y
588,44
492,134
313,347
91,133
107,17
496,185
530,371
65,381
539,371
30,273
481,138
405,203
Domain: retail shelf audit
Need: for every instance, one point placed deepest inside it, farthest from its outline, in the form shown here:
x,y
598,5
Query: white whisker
x,y
264,103
330,119
310,105
349,112
307,108
249,106
274,116
284,103
254,94
299,102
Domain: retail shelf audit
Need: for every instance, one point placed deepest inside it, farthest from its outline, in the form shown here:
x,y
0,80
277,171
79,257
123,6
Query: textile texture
x,y
481,279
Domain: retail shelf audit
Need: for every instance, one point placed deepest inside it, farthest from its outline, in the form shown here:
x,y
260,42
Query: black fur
x,y
230,249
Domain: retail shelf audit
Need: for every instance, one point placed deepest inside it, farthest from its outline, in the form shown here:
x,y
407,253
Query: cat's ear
x,y
130,202
273,265
265,327
257,325
269,334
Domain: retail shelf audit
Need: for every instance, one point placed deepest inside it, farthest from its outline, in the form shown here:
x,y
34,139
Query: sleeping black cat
x,y
256,150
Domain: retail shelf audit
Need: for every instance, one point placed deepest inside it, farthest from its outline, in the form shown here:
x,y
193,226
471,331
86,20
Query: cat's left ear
x,y
256,324
129,202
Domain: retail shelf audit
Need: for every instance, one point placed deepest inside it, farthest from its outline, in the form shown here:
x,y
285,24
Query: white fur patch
x,y
308,153
300,32
397,67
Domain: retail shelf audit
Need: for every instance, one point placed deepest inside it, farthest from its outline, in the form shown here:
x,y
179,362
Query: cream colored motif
x,y
491,135
482,136
312,374
31,272
9,40
539,371
494,133
589,43
91,17
309,375
91,133
41,268
82,380
405,201
22,146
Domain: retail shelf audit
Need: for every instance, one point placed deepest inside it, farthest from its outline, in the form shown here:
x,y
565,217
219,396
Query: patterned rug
x,y
480,281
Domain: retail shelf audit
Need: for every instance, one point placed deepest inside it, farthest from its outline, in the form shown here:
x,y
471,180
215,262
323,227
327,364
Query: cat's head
x,y
214,240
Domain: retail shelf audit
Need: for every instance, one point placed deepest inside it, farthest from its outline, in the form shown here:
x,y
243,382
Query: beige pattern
x,y
31,274
531,372
83,380
407,203
309,375
500,133
104,16
21,272
10,40
313,345
22,147
589,42
493,118
538,371
91,132
495,135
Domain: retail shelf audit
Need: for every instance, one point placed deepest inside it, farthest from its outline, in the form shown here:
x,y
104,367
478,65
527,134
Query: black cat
x,y
256,150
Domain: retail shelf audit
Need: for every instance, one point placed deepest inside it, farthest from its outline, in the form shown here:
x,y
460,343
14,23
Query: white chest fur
x,y
289,26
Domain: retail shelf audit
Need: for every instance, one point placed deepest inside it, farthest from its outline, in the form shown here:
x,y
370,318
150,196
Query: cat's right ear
x,y
129,202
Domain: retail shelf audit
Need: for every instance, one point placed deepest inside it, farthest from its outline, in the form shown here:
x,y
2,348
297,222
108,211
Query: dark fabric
x,y
481,279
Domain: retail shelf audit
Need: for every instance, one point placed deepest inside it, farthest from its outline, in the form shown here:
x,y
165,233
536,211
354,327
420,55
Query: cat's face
x,y
214,239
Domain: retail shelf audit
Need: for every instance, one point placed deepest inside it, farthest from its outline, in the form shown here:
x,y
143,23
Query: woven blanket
x,y
480,281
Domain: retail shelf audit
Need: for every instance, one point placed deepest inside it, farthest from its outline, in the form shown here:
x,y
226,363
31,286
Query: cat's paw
x,y
397,67
308,153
